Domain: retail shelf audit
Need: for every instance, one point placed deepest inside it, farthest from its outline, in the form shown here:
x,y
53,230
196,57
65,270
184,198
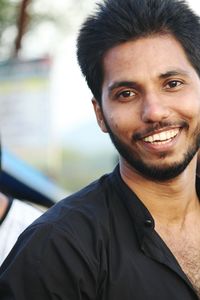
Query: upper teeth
x,y
162,136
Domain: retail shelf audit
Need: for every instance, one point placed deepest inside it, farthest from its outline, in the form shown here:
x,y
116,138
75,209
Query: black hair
x,y
118,21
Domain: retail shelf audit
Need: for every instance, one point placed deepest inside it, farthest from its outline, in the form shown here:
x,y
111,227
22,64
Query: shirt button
x,y
148,223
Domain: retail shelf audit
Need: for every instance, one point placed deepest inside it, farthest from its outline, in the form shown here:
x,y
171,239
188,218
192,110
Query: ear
x,y
99,115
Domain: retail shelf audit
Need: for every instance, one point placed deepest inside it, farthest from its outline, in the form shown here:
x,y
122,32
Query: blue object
x,y
22,181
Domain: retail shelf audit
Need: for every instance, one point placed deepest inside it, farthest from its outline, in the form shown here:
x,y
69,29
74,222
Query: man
x,y
15,216
133,234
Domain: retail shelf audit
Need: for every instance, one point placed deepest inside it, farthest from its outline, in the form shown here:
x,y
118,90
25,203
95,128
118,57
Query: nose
x,y
154,108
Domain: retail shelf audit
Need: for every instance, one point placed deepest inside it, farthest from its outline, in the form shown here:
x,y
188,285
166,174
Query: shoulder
x,y
90,203
72,231
80,221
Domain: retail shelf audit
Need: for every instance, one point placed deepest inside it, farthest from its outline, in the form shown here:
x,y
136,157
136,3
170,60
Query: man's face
x,y
151,105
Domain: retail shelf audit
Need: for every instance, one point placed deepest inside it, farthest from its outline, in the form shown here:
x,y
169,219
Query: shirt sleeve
x,y
48,263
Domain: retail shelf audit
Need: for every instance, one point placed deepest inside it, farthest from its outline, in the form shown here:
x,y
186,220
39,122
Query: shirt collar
x,y
198,186
150,242
143,220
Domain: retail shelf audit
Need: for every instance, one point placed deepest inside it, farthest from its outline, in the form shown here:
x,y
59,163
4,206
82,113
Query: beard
x,y
150,171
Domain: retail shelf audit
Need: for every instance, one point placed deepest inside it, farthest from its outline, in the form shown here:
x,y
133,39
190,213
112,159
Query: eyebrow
x,y
173,73
118,84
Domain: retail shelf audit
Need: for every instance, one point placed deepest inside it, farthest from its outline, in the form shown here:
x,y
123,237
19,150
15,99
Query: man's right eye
x,y
126,94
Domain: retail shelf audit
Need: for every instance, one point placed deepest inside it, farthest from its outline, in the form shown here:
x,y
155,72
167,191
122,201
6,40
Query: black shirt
x,y
98,244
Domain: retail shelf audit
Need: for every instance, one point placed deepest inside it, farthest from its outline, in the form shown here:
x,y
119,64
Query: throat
x,y
168,201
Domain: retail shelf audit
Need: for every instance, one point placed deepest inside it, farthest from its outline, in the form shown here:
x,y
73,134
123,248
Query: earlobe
x,y
99,115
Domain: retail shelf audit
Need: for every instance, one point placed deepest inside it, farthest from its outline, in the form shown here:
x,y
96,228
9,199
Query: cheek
x,y
194,113
115,122
122,126
123,119
190,107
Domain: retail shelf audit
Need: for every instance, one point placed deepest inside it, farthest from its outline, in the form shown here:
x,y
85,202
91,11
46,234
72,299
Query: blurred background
x,y
47,125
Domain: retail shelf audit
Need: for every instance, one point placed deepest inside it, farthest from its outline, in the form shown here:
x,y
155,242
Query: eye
x,y
173,84
126,94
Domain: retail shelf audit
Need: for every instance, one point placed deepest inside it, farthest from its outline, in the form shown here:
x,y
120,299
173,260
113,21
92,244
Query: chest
x,y
138,270
187,253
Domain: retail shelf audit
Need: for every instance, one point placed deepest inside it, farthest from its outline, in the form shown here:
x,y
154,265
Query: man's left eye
x,y
173,84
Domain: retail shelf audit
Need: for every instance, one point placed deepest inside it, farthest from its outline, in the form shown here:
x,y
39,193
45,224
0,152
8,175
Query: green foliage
x,y
8,14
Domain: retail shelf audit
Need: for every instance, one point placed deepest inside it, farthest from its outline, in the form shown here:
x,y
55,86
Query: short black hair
x,y
118,21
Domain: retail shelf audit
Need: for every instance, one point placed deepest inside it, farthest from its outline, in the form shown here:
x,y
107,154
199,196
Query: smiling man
x,y
160,91
134,233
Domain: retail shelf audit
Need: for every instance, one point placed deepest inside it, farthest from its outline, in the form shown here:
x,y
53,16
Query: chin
x,y
162,171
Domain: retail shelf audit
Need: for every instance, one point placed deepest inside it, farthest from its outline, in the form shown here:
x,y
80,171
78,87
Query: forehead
x,y
152,55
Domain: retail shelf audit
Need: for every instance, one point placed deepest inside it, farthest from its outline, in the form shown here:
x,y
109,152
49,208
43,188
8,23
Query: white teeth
x,y
161,137
150,139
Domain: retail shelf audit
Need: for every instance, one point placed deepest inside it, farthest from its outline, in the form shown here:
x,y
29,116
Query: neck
x,y
169,202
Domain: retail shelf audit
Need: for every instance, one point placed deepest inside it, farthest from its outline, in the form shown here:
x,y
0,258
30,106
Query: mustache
x,y
158,126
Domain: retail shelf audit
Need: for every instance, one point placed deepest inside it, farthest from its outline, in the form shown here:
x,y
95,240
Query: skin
x,y
150,87
3,204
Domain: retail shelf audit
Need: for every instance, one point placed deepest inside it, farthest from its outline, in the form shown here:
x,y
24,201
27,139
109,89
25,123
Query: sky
x,y
70,96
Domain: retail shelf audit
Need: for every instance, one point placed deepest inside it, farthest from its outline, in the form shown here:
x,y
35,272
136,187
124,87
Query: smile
x,y
162,137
